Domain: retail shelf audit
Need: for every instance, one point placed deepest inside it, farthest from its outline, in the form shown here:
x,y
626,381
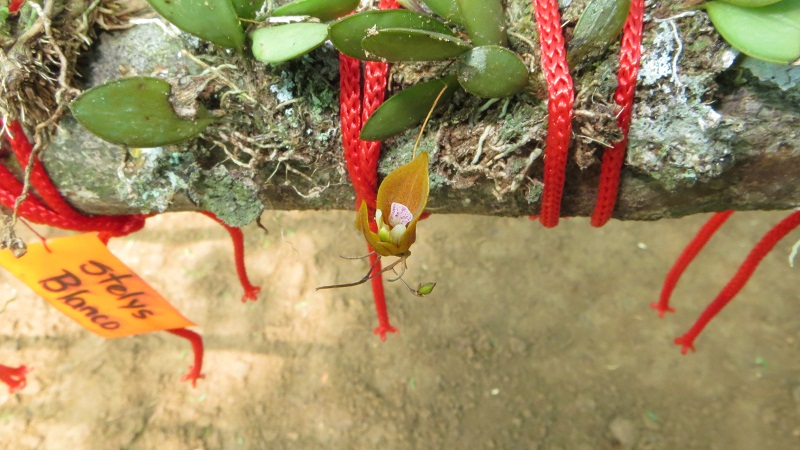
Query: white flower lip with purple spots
x,y
400,214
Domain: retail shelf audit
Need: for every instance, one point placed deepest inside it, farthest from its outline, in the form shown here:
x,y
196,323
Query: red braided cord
x,y
361,157
32,209
559,108
374,93
687,256
54,210
614,156
750,264
375,79
250,291
195,371
44,186
350,115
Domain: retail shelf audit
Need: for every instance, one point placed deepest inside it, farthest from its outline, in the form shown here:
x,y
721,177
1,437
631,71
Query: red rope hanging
x,y
361,157
614,156
746,270
559,108
688,255
196,369
250,291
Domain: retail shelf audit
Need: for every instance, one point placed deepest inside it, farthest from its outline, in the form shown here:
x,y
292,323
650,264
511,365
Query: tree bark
x,y
719,133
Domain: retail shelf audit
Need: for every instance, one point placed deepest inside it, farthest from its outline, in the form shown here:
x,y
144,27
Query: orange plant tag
x,y
80,277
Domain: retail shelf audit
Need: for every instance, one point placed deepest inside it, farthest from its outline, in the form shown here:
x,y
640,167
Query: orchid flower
x,y
401,201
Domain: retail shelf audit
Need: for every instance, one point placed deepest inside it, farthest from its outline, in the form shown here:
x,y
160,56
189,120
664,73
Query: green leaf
x,y
492,71
136,112
770,33
485,21
406,44
247,9
212,20
407,108
281,43
600,23
323,10
751,3
447,9
347,33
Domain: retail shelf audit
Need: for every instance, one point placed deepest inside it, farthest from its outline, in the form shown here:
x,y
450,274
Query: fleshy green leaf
x,y
770,33
492,71
751,3
448,9
406,44
247,9
135,112
347,33
323,10
212,20
600,23
485,21
407,108
281,43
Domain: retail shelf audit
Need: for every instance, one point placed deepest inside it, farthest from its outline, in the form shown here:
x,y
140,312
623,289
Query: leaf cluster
x,y
471,34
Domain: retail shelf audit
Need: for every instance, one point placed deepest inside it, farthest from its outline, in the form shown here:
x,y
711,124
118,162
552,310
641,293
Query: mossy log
x,y
712,130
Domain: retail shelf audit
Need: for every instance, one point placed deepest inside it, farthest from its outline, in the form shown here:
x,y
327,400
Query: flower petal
x,y
407,185
397,233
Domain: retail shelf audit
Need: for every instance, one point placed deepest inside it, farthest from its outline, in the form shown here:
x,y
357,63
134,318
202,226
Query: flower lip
x,y
400,214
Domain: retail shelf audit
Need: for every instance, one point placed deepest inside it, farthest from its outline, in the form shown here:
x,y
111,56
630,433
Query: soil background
x,y
533,339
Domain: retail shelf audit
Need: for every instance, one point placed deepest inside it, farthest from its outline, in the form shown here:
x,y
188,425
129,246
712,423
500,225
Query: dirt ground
x,y
533,339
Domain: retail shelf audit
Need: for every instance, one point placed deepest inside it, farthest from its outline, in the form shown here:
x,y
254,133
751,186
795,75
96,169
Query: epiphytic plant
x,y
483,65
396,35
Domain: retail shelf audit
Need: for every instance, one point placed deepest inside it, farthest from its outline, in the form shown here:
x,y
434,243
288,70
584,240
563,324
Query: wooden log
x,y
712,130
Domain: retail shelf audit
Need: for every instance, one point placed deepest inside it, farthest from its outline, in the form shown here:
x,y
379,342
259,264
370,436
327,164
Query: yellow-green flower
x,y
401,201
